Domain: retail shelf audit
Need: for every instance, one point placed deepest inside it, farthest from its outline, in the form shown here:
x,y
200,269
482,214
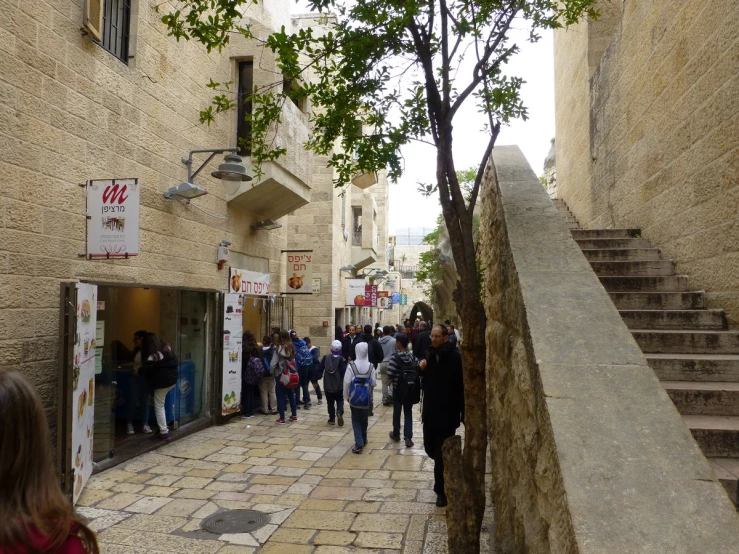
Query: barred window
x,y
116,28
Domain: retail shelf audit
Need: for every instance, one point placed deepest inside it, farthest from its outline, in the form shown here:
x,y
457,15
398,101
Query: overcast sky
x,y
535,65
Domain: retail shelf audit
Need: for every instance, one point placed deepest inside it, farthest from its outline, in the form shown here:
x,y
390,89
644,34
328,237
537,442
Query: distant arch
x,y
427,313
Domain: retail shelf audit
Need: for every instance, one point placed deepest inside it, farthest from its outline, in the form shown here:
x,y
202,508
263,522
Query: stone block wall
x,y
649,137
588,452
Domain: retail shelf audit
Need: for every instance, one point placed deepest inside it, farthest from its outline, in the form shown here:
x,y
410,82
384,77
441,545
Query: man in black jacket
x,y
422,342
374,348
443,401
349,343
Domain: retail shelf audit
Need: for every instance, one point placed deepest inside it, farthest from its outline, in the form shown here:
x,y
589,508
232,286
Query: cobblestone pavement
x,y
321,498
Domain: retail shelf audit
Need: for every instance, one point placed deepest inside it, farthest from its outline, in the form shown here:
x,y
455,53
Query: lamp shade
x,y
232,169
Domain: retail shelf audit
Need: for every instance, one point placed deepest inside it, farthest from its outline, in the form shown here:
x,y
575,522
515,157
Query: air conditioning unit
x,y
93,18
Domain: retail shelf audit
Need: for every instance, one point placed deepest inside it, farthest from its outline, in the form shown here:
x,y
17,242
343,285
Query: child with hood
x,y
360,369
388,349
300,348
333,367
284,352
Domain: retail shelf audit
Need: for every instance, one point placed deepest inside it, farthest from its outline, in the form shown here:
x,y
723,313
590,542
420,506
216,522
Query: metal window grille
x,y
116,27
246,87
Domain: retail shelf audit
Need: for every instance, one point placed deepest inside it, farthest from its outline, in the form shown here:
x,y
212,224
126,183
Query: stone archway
x,y
427,313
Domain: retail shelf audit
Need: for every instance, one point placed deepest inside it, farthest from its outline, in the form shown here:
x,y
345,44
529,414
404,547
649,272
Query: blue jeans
x,y
338,399
407,418
283,395
303,380
360,419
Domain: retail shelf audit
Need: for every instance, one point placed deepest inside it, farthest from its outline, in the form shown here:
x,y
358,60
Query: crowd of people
x,y
417,363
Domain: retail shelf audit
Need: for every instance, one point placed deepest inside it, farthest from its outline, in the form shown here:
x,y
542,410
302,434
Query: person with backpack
x,y
387,342
314,373
359,380
305,362
442,410
267,384
333,368
402,370
252,371
285,372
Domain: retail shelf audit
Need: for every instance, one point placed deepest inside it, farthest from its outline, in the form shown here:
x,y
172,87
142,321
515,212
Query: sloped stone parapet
x,y
589,454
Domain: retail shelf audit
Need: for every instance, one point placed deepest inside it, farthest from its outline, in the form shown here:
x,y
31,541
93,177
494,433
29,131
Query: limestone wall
x,y
588,452
650,137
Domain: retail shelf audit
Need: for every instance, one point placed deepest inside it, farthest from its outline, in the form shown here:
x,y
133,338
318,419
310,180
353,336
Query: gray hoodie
x,y
388,347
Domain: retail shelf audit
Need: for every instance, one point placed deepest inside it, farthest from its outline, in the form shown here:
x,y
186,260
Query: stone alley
x,y
320,498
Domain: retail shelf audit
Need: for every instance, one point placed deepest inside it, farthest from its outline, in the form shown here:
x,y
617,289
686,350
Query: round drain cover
x,y
234,521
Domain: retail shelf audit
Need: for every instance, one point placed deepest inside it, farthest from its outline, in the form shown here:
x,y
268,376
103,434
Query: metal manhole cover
x,y
234,521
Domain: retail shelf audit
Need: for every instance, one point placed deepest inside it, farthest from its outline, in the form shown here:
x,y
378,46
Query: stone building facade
x,y
648,134
73,109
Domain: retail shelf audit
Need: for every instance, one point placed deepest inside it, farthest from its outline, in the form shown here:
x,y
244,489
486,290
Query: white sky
x,y
534,64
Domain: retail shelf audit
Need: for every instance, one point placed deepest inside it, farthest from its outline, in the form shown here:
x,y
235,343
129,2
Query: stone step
x,y
704,398
726,471
606,233
658,300
599,244
717,436
695,367
675,319
572,226
634,269
687,342
669,283
621,254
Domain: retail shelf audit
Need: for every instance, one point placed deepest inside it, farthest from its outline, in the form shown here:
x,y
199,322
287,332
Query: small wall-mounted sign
x,y
325,323
316,285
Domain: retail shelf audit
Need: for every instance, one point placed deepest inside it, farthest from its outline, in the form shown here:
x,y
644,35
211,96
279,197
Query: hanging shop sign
x,y
299,271
112,218
248,282
370,295
384,300
233,325
403,299
355,292
83,386
395,298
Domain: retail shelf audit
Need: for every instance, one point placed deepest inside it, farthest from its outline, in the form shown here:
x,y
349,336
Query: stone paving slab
x,y
320,497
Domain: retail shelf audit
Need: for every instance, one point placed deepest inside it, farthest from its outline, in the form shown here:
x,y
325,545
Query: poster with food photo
x,y
83,385
299,272
233,330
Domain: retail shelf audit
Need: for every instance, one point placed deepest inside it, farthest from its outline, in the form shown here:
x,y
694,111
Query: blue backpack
x,y
303,357
359,388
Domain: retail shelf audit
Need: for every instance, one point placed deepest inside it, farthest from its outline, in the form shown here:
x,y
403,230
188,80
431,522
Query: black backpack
x,y
409,382
332,378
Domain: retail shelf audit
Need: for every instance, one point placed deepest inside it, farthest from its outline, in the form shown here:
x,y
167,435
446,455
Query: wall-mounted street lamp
x,y
232,171
348,268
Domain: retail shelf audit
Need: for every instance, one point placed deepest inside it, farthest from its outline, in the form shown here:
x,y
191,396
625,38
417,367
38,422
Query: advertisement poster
x,y
299,272
395,298
248,282
355,292
83,386
233,330
113,218
403,299
370,295
383,299
99,341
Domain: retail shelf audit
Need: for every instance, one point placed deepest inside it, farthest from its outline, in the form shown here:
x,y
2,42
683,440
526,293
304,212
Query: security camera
x,y
225,242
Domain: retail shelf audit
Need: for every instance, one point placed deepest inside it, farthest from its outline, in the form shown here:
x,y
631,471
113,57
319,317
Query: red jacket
x,y
72,545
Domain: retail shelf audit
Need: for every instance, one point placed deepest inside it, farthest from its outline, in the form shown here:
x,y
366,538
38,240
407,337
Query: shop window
x,y
246,88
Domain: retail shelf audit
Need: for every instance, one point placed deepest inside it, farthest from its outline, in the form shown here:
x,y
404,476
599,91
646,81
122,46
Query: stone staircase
x,y
690,347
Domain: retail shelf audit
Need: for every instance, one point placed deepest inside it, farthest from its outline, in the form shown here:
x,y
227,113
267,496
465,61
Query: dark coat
x,y
443,389
374,350
348,345
162,374
422,344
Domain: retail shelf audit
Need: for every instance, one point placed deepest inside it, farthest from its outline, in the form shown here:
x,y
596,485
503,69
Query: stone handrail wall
x,y
589,454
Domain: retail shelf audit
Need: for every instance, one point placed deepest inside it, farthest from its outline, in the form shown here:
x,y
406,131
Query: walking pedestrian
x,y
349,343
375,355
305,362
452,335
422,342
359,380
35,516
403,371
443,401
387,342
314,373
267,384
284,354
252,371
139,390
333,367
160,369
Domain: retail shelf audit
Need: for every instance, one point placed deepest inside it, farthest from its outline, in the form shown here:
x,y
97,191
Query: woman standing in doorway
x,y
34,514
160,369
284,352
